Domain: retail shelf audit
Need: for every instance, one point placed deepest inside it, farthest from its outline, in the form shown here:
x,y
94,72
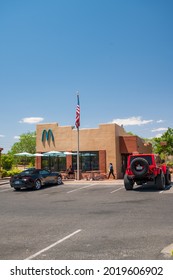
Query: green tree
x,y
130,133
149,141
7,162
164,145
27,143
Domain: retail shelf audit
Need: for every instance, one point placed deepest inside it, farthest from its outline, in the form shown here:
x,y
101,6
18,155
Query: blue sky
x,y
117,53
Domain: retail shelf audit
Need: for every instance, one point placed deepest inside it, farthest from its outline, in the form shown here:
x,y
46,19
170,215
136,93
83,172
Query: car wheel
x,y
128,184
37,184
139,163
59,180
160,181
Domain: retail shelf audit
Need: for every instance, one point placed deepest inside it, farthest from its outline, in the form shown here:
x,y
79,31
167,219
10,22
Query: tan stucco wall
x,y
105,137
134,144
119,132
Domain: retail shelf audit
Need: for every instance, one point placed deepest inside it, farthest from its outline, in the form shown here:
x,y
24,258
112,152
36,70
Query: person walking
x,y
111,170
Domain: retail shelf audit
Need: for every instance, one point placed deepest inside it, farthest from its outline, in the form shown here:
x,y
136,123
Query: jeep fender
x,y
164,168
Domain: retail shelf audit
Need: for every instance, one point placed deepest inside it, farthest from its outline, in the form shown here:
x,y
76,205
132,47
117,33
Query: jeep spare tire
x,y
139,166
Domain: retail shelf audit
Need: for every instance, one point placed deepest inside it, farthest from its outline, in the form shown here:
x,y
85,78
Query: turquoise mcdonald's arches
x,y
47,134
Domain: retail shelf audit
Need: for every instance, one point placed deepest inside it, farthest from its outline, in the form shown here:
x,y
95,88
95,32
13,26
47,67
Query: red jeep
x,y
145,168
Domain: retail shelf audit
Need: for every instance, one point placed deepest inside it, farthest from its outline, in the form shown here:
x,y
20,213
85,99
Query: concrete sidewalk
x,y
4,180
105,181
79,182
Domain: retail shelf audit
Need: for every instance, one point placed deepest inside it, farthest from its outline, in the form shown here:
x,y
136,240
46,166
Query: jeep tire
x,y
160,181
167,177
128,184
141,161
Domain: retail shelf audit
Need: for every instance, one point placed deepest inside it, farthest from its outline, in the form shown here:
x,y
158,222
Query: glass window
x,y
28,171
44,172
55,163
158,159
88,161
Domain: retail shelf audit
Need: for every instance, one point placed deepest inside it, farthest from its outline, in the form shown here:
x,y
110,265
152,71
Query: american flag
x,y
77,123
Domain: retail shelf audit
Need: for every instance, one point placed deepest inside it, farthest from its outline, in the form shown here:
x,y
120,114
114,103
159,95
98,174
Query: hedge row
x,y
9,173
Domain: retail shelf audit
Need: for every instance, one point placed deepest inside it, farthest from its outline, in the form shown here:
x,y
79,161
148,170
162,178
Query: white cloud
x,y
131,121
2,135
17,137
31,120
158,135
159,121
159,129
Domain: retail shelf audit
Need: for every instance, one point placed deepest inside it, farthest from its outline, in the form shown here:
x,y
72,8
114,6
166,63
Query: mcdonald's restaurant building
x,y
109,143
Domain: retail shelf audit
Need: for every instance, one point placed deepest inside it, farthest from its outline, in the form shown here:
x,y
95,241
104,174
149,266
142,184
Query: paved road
x,y
86,220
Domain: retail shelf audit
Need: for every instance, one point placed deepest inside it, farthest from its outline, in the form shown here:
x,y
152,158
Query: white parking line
x,y
75,190
167,188
52,245
117,190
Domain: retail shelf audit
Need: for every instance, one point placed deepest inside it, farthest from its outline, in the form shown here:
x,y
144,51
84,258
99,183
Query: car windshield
x,y
148,158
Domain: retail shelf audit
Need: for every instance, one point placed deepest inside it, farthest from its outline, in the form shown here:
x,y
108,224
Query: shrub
x,y
7,162
9,173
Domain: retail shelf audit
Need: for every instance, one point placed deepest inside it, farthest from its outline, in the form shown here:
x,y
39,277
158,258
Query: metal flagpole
x,y
78,177
77,126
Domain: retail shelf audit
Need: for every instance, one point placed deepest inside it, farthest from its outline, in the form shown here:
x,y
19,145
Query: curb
x,y
111,182
4,180
78,182
4,183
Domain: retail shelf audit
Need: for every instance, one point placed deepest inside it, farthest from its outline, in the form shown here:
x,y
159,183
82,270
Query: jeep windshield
x,y
147,158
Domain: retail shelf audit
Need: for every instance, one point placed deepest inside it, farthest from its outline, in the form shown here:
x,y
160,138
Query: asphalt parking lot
x,y
86,220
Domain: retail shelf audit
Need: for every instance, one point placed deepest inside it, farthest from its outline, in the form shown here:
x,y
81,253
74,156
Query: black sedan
x,y
35,178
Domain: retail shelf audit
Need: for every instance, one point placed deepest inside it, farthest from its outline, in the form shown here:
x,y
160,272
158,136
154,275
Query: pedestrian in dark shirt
x,y
111,170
